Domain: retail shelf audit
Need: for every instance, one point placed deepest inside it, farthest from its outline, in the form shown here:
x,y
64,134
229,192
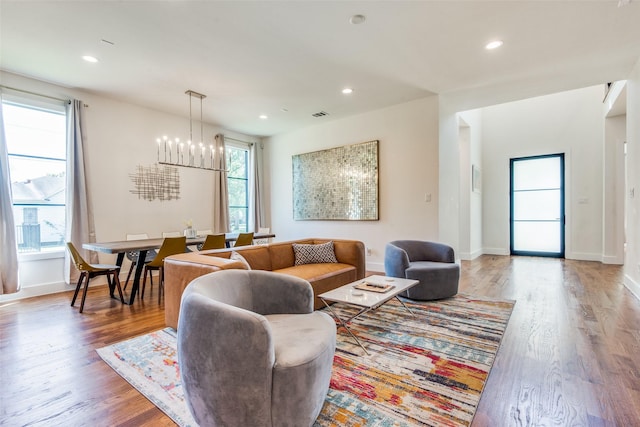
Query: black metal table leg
x,y
112,285
142,255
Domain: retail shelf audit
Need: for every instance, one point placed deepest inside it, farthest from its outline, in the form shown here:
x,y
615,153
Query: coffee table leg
x,y
405,306
345,324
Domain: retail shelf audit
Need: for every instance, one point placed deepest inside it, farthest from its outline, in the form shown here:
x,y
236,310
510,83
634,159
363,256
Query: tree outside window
x,y
238,187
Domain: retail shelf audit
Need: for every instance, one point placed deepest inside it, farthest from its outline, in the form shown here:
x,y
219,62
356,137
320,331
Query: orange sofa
x,y
180,270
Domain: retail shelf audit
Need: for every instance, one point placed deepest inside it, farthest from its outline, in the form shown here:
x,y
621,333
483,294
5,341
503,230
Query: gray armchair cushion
x,y
433,264
252,351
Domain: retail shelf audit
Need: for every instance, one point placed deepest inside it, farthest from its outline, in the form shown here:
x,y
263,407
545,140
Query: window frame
x,y
46,106
246,147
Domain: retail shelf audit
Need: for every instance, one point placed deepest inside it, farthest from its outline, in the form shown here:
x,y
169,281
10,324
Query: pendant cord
x,y
190,120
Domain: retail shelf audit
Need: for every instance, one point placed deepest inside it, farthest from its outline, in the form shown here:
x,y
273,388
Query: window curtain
x,y
9,282
256,219
80,227
220,191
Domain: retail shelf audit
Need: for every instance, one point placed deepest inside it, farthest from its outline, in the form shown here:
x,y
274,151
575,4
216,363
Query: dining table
x,y
142,246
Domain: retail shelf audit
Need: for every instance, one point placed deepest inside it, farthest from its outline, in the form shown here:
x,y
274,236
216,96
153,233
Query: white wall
x,y
119,137
632,258
449,175
408,169
470,144
568,122
464,227
613,195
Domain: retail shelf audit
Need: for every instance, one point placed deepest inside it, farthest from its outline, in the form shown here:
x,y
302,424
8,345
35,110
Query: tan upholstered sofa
x,y
180,270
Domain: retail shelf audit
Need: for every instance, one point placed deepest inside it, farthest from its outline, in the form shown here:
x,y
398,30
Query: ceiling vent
x,y
320,114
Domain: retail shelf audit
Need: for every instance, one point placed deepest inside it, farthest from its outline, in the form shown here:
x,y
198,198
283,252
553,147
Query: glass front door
x,y
537,206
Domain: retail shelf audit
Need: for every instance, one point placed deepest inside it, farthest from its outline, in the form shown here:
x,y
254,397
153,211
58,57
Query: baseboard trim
x,y
56,287
37,290
583,256
375,266
495,251
469,256
614,259
633,286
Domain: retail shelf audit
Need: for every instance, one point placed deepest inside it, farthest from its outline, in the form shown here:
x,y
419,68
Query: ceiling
x,y
291,59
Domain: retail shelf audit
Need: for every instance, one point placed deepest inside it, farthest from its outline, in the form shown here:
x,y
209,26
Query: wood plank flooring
x,y
570,355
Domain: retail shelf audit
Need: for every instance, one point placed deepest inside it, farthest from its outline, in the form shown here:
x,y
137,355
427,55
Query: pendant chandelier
x,y
193,155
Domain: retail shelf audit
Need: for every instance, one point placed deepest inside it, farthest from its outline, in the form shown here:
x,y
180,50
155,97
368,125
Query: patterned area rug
x,y
428,369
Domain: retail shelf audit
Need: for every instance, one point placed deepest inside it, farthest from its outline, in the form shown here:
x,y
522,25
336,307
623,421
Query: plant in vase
x,y
189,232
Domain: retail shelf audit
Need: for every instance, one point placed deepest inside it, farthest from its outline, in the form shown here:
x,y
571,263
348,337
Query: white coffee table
x,y
366,300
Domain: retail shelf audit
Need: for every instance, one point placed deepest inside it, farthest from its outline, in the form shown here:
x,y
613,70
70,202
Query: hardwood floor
x,y
570,355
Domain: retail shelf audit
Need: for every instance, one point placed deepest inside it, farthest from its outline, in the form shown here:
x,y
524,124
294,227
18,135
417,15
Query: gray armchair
x,y
433,264
252,351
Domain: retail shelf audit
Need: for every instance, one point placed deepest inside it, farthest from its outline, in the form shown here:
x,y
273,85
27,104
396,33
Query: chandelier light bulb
x,y
494,44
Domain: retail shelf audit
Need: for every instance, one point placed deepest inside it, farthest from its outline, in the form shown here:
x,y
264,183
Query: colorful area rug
x,y
428,369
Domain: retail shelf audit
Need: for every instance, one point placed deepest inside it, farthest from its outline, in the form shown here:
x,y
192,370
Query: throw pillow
x,y
314,254
237,257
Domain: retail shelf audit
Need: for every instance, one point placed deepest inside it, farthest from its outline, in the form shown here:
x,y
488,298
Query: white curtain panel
x,y
9,282
220,192
80,226
256,216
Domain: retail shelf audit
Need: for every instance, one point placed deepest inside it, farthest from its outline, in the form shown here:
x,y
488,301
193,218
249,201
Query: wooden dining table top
x,y
154,243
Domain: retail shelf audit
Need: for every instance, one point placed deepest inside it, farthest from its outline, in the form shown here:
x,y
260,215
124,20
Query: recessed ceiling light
x,y
347,90
90,58
493,45
357,19
263,116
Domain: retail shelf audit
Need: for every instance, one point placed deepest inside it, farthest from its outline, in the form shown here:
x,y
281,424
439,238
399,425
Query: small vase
x,y
189,232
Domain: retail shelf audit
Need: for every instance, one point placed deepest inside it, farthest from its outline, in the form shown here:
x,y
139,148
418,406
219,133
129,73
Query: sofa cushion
x,y
237,257
314,254
292,334
323,277
282,254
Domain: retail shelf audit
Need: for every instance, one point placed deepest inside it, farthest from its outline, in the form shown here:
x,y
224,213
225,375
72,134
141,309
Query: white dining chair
x,y
265,230
171,234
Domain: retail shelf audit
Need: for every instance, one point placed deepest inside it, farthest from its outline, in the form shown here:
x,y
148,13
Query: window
x,y
238,187
36,146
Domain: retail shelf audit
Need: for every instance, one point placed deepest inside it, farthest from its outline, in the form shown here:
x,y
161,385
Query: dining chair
x,y
201,233
263,230
166,234
244,239
133,256
89,271
170,246
214,241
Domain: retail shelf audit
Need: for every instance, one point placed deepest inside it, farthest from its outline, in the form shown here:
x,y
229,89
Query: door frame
x,y
563,222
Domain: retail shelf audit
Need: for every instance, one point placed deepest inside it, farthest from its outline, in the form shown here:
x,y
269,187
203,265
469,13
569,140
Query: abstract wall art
x,y
156,182
337,184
